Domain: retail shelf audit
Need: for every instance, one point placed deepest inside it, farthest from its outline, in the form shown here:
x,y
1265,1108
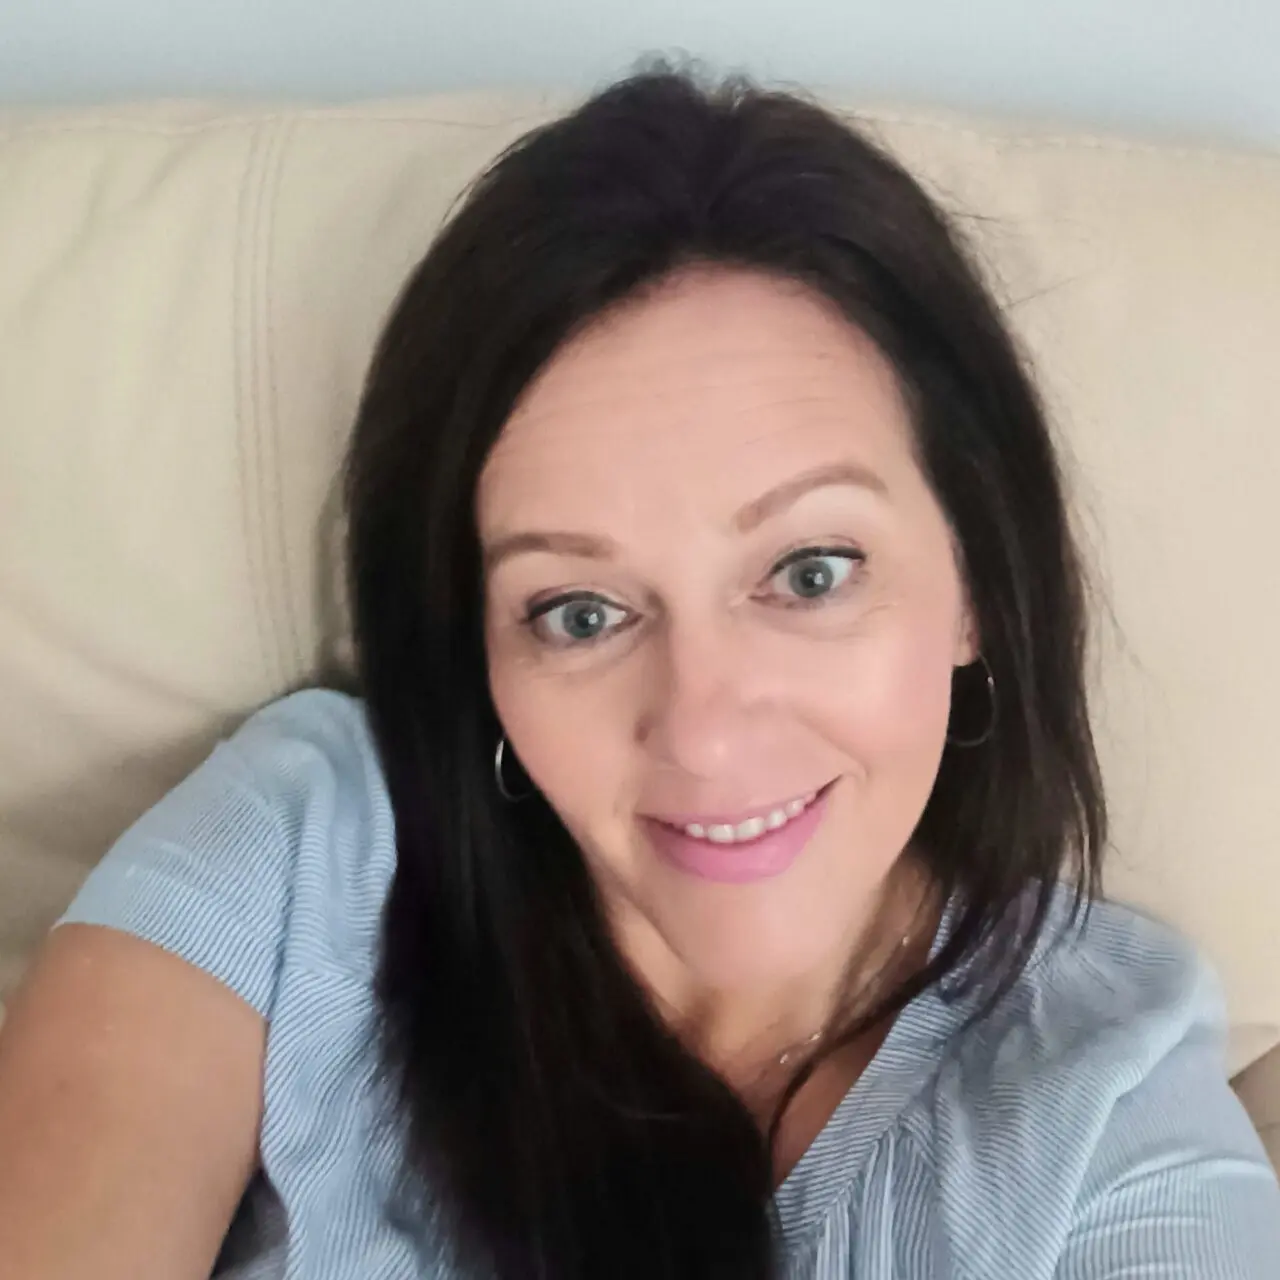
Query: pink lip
x,y
759,859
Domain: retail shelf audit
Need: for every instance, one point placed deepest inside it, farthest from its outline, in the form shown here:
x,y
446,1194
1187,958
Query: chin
x,y
735,936
747,944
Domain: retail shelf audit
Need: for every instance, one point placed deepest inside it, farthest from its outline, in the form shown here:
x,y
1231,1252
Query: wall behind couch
x,y
1208,66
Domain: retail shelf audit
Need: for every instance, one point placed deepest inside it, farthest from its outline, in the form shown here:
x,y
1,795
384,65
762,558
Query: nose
x,y
700,707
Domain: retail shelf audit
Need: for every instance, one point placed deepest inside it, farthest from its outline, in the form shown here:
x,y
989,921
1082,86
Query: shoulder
x,y
305,730
302,751
278,849
1104,1064
1108,995
311,759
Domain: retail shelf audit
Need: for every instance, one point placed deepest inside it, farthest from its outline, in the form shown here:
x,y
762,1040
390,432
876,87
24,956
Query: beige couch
x,y
188,296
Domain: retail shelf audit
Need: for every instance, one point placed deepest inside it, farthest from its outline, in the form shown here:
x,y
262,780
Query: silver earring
x,y
985,736
498,757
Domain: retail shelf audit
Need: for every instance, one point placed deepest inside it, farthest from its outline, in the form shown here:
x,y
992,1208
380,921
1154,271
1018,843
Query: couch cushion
x,y
188,297
1259,1090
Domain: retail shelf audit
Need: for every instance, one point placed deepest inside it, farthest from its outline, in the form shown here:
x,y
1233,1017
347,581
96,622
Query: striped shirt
x,y
1085,1130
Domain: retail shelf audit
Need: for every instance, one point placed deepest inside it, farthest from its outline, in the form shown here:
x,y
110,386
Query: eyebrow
x,y
789,492
587,546
584,546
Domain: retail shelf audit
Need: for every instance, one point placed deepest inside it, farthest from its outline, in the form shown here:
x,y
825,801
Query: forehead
x,y
695,399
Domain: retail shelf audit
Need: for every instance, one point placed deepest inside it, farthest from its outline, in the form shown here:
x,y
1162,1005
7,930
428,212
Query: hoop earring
x,y
966,743
498,757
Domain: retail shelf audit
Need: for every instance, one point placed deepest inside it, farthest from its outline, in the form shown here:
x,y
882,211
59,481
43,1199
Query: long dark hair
x,y
558,1128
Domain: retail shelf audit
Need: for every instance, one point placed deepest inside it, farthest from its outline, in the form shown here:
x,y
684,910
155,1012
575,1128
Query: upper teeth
x,y
726,833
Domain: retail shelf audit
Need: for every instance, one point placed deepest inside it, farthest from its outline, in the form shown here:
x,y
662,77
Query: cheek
x,y
887,697
570,736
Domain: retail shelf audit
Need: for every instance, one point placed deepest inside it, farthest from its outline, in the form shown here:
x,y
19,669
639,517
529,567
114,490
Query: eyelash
x,y
536,611
539,610
853,555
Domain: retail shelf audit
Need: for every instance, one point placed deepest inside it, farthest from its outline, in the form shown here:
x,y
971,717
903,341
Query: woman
x,y
703,885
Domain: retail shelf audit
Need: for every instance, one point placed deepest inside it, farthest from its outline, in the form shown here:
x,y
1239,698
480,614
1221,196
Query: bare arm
x,y
130,1104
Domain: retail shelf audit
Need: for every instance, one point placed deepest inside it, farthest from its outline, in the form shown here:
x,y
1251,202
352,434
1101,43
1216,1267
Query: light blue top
x,y
1084,1130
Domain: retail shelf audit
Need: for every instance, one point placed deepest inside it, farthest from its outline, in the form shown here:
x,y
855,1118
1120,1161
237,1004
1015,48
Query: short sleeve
x,y
211,873
1179,1185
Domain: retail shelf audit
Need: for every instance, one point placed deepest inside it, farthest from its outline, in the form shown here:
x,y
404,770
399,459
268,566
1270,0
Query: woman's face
x,y
723,608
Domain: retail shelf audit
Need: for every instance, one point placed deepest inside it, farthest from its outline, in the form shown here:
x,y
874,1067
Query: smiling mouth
x,y
752,827
741,848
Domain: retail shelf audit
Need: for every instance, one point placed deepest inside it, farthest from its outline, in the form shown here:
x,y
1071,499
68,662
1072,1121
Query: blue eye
x,y
814,572
575,620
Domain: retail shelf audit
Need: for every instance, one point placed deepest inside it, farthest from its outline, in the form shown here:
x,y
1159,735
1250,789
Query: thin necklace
x,y
797,1049
789,1055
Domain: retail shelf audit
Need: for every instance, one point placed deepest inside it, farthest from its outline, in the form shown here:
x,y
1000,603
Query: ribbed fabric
x,y
1083,1131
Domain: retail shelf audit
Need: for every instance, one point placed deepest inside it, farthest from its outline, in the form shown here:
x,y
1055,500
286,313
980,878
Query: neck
x,y
741,1033
757,1036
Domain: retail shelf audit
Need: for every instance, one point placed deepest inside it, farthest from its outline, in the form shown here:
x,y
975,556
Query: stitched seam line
x,y
275,539
1226,156
244,339
235,117
262,439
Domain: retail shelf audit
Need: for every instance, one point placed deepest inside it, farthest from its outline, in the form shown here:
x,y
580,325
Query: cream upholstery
x,y
188,296
1259,1087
